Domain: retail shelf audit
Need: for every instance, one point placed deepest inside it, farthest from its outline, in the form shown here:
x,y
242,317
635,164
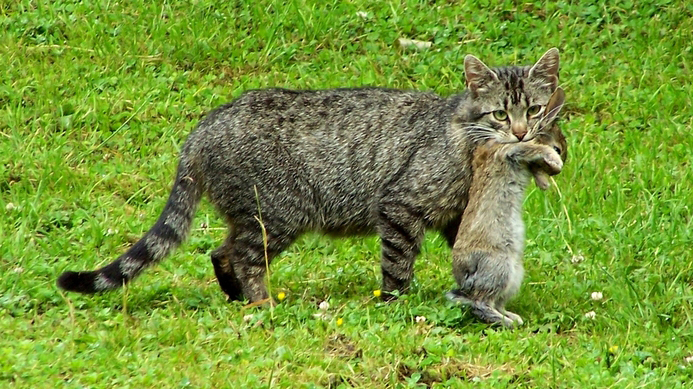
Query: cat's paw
x,y
389,297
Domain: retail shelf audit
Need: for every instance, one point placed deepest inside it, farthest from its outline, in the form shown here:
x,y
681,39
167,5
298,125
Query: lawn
x,y
97,98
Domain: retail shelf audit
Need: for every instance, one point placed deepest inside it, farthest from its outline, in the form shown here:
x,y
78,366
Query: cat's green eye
x,y
500,115
533,110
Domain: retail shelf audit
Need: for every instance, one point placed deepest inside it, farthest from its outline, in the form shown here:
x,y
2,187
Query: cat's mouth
x,y
507,141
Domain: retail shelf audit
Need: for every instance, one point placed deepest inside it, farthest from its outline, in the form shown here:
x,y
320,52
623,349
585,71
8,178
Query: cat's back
x,y
277,108
363,130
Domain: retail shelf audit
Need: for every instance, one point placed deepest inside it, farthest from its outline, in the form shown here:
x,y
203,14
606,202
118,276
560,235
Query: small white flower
x,y
577,259
413,43
591,315
362,14
322,315
18,270
420,319
110,232
10,207
596,296
324,306
247,318
689,359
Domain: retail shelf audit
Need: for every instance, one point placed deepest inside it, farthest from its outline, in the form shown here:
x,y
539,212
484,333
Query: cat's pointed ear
x,y
477,75
554,106
546,69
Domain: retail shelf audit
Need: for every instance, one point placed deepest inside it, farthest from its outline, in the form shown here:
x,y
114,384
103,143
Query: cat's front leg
x,y
401,232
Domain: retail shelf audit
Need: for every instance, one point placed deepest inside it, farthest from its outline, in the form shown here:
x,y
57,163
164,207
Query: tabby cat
x,y
487,256
340,161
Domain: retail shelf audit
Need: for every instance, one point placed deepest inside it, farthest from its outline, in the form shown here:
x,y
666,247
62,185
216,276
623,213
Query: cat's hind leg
x,y
250,259
223,269
401,232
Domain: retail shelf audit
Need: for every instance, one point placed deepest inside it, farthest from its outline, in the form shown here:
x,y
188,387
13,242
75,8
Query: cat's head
x,y
507,103
543,151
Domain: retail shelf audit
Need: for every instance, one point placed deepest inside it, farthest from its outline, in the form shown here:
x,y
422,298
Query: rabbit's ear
x,y
541,178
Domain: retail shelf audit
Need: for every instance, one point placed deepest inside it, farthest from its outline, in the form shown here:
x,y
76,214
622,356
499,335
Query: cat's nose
x,y
519,130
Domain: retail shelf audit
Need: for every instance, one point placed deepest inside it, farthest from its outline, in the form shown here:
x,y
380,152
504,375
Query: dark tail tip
x,y
82,282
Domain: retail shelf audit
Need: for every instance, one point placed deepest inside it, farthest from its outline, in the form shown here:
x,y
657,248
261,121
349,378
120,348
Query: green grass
x,y
95,101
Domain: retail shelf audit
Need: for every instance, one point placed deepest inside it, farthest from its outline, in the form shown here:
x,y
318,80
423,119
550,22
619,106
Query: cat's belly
x,y
348,230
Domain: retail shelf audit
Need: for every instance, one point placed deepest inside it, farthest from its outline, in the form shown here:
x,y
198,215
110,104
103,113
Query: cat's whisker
x,y
554,110
478,133
543,123
479,127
